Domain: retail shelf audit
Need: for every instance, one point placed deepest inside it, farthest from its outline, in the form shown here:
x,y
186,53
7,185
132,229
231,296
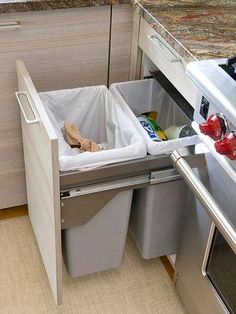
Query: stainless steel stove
x,y
206,262
215,112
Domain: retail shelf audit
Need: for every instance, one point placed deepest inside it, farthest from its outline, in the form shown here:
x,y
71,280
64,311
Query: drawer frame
x,y
167,60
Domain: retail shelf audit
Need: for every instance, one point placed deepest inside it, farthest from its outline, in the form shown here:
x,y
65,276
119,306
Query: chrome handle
x,y
205,198
9,25
18,96
177,58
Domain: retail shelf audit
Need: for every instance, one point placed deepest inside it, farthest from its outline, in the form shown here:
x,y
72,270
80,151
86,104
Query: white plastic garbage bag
x,y
99,117
148,95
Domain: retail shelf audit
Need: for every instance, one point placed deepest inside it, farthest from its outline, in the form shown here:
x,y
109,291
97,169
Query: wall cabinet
x,y
62,49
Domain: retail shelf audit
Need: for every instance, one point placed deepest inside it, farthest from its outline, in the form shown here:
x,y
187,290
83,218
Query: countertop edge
x,y
183,52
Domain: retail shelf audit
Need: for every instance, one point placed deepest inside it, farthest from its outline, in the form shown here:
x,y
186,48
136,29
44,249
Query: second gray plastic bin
x,y
98,244
157,211
157,218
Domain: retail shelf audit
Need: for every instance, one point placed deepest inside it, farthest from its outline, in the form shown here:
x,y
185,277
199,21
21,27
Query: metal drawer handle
x,y
9,25
206,199
18,96
176,58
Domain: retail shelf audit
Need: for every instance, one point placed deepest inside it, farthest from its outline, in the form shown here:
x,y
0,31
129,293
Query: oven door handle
x,y
205,198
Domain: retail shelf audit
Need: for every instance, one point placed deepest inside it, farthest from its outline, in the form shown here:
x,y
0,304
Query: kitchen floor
x,y
138,286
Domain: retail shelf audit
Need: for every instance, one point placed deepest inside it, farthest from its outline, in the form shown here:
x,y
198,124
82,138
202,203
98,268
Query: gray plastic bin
x,y
157,211
98,244
157,218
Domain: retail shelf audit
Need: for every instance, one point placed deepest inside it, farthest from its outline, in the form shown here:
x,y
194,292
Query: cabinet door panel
x,y
45,29
72,52
42,177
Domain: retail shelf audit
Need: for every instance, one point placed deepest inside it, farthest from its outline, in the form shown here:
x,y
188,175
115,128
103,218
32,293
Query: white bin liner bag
x,y
99,117
148,95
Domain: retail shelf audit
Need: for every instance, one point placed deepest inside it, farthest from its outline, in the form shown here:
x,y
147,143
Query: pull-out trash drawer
x,y
76,196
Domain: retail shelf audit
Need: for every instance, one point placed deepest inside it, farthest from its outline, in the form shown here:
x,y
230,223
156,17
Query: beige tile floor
x,y
138,286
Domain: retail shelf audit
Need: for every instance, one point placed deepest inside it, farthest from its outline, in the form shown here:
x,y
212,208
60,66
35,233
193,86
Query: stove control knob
x,y
227,146
215,126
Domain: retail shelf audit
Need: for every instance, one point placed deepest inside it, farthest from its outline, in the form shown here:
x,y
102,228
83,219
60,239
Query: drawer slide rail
x,y
79,204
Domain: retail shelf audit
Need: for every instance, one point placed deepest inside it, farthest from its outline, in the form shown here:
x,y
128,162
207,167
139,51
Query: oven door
x,y
205,281
219,267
